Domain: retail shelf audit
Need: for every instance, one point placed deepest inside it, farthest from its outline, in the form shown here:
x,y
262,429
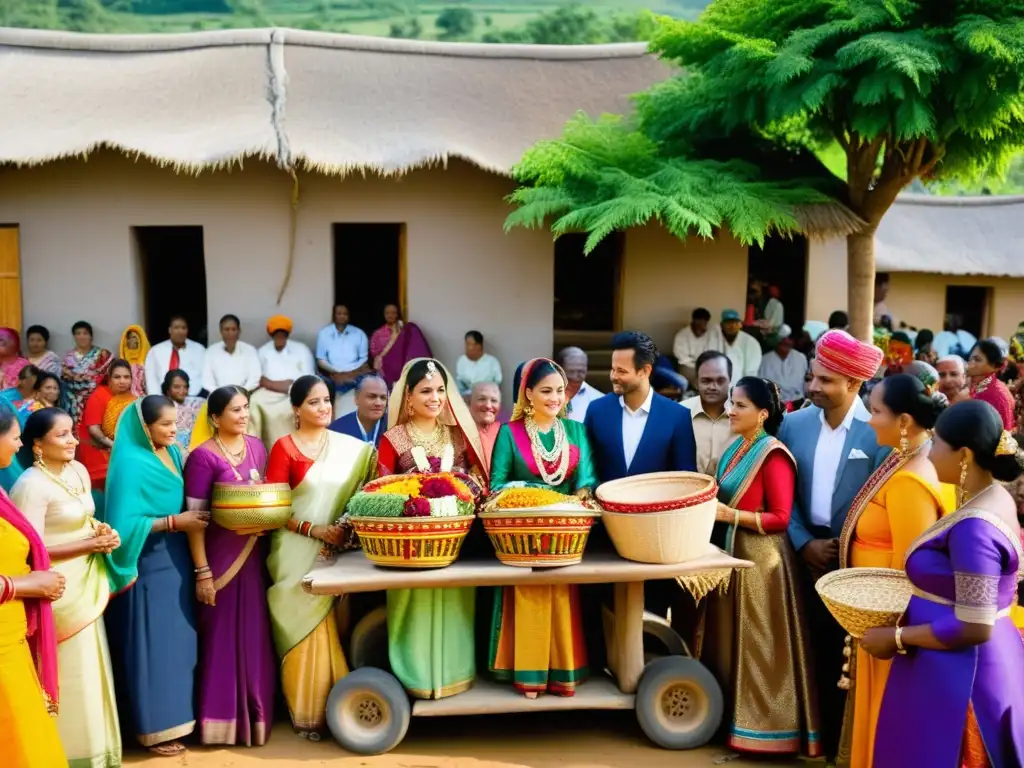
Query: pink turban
x,y
841,353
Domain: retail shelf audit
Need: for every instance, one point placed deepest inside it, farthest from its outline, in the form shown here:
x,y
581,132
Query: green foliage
x,y
409,28
906,88
455,23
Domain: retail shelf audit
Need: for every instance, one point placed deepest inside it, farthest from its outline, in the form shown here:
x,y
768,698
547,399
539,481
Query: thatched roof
x,y
334,103
953,235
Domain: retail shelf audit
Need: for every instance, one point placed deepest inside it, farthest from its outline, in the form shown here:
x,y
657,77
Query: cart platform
x,y
351,572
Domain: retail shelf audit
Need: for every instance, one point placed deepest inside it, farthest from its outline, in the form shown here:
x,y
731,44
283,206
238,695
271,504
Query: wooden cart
x,y
677,701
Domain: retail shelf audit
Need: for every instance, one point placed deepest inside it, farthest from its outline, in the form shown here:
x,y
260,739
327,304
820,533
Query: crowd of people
x,y
127,614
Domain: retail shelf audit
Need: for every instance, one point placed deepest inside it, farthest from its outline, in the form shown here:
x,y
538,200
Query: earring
x,y
296,420
904,441
960,492
528,410
38,455
408,408
760,424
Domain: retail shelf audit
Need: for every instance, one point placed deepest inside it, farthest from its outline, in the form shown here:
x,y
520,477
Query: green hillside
x,y
528,21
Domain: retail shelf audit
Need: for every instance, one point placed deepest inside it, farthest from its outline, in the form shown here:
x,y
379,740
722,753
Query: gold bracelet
x,y
757,519
900,648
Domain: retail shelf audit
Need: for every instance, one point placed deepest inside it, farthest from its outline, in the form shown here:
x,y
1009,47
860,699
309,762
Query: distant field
x,y
365,17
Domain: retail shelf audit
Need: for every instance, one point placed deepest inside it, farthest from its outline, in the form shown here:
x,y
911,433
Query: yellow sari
x,y
28,735
305,626
88,721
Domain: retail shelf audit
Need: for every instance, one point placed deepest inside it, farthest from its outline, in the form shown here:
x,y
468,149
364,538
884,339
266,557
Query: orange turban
x,y
841,353
279,323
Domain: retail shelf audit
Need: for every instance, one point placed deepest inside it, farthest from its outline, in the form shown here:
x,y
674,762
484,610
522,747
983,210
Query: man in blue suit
x,y
368,421
634,431
836,452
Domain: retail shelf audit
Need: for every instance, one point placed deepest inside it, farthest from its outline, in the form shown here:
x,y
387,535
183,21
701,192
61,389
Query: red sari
x,y
994,392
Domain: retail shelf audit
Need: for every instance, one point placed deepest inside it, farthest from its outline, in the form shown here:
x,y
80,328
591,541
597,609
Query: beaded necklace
x,y
59,480
557,456
233,459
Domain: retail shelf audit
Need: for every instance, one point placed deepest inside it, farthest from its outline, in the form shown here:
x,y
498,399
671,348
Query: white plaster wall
x,y
463,270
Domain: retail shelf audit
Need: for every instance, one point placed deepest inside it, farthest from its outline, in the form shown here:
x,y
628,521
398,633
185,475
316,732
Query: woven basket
x,y
864,598
251,508
661,518
540,537
412,542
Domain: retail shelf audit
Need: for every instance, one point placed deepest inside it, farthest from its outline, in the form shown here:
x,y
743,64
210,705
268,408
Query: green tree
x,y
408,28
567,25
908,89
455,23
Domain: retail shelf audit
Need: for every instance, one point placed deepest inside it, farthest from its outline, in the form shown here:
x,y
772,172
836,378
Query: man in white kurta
x,y
231,362
282,360
787,368
179,352
742,348
576,364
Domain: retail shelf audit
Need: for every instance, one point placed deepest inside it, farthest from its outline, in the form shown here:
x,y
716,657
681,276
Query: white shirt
x,y
190,360
788,374
584,396
745,352
342,351
469,373
290,363
774,313
633,423
950,343
687,346
828,455
222,368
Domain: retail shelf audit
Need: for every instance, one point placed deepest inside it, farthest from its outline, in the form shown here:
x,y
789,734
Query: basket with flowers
x,y
537,527
414,521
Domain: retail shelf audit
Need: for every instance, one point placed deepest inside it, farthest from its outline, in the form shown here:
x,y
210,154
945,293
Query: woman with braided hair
x,y
760,649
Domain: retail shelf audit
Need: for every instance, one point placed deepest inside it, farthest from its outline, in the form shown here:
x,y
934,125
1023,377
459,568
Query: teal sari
x,y
736,473
151,620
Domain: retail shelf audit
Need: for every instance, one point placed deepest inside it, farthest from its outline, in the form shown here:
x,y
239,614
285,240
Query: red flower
x,y
437,488
418,507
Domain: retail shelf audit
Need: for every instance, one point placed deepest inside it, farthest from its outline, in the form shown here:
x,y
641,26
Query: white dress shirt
x,y
190,360
240,368
828,456
687,346
633,423
585,395
290,363
469,373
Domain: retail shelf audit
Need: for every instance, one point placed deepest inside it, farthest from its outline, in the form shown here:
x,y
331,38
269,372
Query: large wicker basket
x,y
864,598
251,508
540,537
412,542
664,517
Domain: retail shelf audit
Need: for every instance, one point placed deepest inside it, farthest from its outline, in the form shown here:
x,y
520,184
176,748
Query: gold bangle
x,y
757,519
900,648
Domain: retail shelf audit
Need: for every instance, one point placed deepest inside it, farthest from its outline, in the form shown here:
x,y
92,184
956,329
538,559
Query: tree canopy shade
x,y
907,88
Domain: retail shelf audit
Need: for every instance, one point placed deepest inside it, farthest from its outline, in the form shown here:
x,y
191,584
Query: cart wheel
x,y
369,643
368,712
660,631
679,703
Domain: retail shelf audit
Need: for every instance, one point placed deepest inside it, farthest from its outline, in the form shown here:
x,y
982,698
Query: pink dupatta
x,y
41,633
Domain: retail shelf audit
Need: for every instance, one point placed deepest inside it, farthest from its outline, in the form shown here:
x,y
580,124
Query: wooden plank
x,y
489,698
10,280
352,572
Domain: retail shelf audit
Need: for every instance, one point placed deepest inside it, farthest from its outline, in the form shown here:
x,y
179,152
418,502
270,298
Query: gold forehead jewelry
x,y
431,370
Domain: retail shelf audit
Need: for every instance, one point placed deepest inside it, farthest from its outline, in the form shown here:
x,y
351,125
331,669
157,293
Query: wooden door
x,y
10,278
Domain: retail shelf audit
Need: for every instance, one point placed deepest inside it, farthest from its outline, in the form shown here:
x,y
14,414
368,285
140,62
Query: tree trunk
x,y
860,265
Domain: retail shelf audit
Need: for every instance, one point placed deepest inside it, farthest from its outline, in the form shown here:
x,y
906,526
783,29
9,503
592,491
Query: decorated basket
x,y
415,520
412,542
864,598
664,517
537,527
251,508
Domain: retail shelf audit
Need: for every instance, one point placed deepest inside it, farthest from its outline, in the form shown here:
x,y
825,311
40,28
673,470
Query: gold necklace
x,y
434,443
59,480
303,447
233,459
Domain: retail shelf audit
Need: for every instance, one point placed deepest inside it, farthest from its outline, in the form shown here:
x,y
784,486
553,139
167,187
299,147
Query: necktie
x,y
175,362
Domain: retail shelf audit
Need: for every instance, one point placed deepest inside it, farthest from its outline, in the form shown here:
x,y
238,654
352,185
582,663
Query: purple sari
x,y
390,354
237,665
964,568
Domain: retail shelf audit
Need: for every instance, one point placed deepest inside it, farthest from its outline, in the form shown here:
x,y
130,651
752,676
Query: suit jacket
x,y
349,425
667,443
799,432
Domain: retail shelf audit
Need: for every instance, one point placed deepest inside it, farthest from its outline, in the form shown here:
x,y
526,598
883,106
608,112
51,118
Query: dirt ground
x,y
549,740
